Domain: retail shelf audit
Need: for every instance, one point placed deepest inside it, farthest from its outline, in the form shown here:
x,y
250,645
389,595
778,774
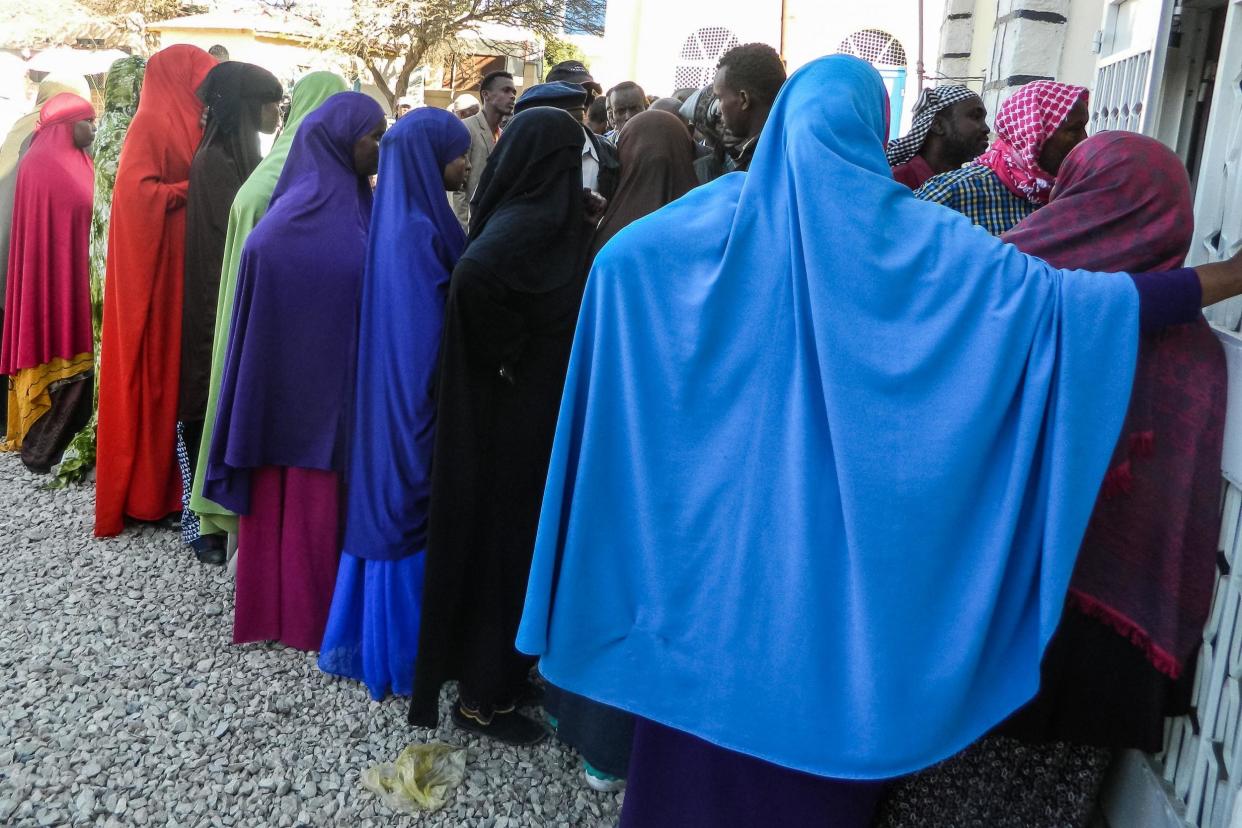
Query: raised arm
x,y
1220,280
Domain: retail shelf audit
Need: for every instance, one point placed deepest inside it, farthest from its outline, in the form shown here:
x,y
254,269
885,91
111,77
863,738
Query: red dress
x,y
140,352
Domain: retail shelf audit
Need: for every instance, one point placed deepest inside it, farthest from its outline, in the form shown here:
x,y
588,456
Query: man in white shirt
x,y
601,168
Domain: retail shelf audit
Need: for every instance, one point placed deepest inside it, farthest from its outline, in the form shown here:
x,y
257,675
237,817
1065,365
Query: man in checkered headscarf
x,y
1035,129
950,128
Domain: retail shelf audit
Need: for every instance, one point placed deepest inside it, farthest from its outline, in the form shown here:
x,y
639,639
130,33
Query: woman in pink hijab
x,y
46,350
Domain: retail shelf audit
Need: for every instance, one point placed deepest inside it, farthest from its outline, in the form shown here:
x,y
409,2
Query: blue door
x,y
895,83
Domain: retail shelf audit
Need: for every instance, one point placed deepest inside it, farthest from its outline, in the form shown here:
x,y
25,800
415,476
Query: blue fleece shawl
x,y
824,458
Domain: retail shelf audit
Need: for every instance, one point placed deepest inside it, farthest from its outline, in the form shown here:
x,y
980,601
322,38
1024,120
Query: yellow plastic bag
x,y
421,779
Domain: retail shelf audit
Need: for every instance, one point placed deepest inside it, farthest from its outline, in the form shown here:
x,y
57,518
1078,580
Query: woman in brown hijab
x,y
657,167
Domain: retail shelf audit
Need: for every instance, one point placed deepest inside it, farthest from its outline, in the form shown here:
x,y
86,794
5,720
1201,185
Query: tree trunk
x,y
409,63
382,83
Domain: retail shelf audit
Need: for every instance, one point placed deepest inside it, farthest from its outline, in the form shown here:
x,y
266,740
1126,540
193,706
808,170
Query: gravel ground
x,y
122,701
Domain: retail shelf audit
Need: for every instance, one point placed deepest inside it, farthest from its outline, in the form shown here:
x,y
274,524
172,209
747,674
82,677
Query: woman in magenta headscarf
x,y
47,347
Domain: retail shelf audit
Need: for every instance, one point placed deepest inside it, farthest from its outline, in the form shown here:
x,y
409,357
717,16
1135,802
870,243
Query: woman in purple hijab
x,y
280,441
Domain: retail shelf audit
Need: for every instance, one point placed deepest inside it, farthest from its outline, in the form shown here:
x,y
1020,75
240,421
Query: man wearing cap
x,y
950,128
498,93
601,167
465,106
572,71
404,105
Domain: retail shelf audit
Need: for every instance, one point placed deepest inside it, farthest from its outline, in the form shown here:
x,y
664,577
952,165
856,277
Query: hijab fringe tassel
x,y
1092,607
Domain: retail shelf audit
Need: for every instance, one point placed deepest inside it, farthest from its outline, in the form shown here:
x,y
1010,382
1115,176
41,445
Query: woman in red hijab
x,y
140,352
46,346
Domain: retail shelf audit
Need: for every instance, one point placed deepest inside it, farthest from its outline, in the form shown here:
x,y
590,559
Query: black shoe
x,y
532,693
510,727
211,555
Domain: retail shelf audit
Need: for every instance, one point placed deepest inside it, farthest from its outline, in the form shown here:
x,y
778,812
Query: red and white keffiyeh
x,y
1024,123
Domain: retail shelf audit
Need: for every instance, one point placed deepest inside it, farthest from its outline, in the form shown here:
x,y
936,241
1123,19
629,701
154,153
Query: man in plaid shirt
x,y
1036,128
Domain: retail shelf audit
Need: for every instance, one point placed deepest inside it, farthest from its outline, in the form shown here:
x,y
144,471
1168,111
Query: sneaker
x,y
600,781
510,727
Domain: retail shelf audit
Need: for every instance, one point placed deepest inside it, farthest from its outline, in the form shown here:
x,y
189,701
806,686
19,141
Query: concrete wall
x,y
998,45
1077,56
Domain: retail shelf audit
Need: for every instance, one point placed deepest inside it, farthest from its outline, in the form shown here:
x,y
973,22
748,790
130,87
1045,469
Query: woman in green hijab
x,y
248,208
120,103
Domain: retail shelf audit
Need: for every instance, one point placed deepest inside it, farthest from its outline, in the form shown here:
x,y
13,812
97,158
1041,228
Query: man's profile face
x,y
734,106
502,95
1071,133
964,128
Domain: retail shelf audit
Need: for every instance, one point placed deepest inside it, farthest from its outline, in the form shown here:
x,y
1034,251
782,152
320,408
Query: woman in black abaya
x,y
509,323
241,101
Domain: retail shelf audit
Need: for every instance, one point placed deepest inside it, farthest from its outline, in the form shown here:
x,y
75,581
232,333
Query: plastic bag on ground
x,y
422,778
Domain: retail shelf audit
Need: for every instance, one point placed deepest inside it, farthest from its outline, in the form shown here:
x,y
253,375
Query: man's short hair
x,y
490,78
219,52
755,68
626,86
598,111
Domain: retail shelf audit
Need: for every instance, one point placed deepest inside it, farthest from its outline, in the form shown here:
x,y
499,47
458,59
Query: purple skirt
x,y
678,780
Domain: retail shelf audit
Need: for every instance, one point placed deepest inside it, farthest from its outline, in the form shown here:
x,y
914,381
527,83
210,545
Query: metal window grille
x,y
1203,751
700,52
875,46
1121,89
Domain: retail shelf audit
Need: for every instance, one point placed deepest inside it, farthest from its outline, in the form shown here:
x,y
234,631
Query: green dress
x,y
248,207
120,103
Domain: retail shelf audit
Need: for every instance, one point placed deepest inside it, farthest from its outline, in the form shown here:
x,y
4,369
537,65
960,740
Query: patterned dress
x,y
120,103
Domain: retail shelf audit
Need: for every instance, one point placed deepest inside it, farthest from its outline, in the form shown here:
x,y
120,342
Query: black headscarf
x,y
527,224
234,94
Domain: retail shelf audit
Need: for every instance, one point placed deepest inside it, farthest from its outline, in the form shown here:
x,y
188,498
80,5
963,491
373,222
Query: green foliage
x,y
556,50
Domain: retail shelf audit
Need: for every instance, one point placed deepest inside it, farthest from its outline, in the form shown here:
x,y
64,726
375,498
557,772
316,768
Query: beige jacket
x,y
481,145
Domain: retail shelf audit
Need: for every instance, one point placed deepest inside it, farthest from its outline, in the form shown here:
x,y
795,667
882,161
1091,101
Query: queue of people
x,y
798,475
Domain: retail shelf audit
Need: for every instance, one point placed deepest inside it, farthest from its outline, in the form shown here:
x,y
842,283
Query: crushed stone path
x,y
123,702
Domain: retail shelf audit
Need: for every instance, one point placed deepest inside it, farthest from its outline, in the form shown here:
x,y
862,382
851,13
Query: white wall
x,y
643,38
1077,58
815,28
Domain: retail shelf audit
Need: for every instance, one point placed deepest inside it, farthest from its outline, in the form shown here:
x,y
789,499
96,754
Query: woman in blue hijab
x,y
416,240
821,473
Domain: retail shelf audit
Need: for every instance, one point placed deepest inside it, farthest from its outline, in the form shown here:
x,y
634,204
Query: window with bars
x,y
700,52
875,46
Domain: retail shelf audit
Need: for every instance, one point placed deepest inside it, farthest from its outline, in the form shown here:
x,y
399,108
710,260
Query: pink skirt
x,y
288,549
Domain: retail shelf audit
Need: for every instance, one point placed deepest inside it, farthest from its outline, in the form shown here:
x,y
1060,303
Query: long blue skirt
x,y
372,633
